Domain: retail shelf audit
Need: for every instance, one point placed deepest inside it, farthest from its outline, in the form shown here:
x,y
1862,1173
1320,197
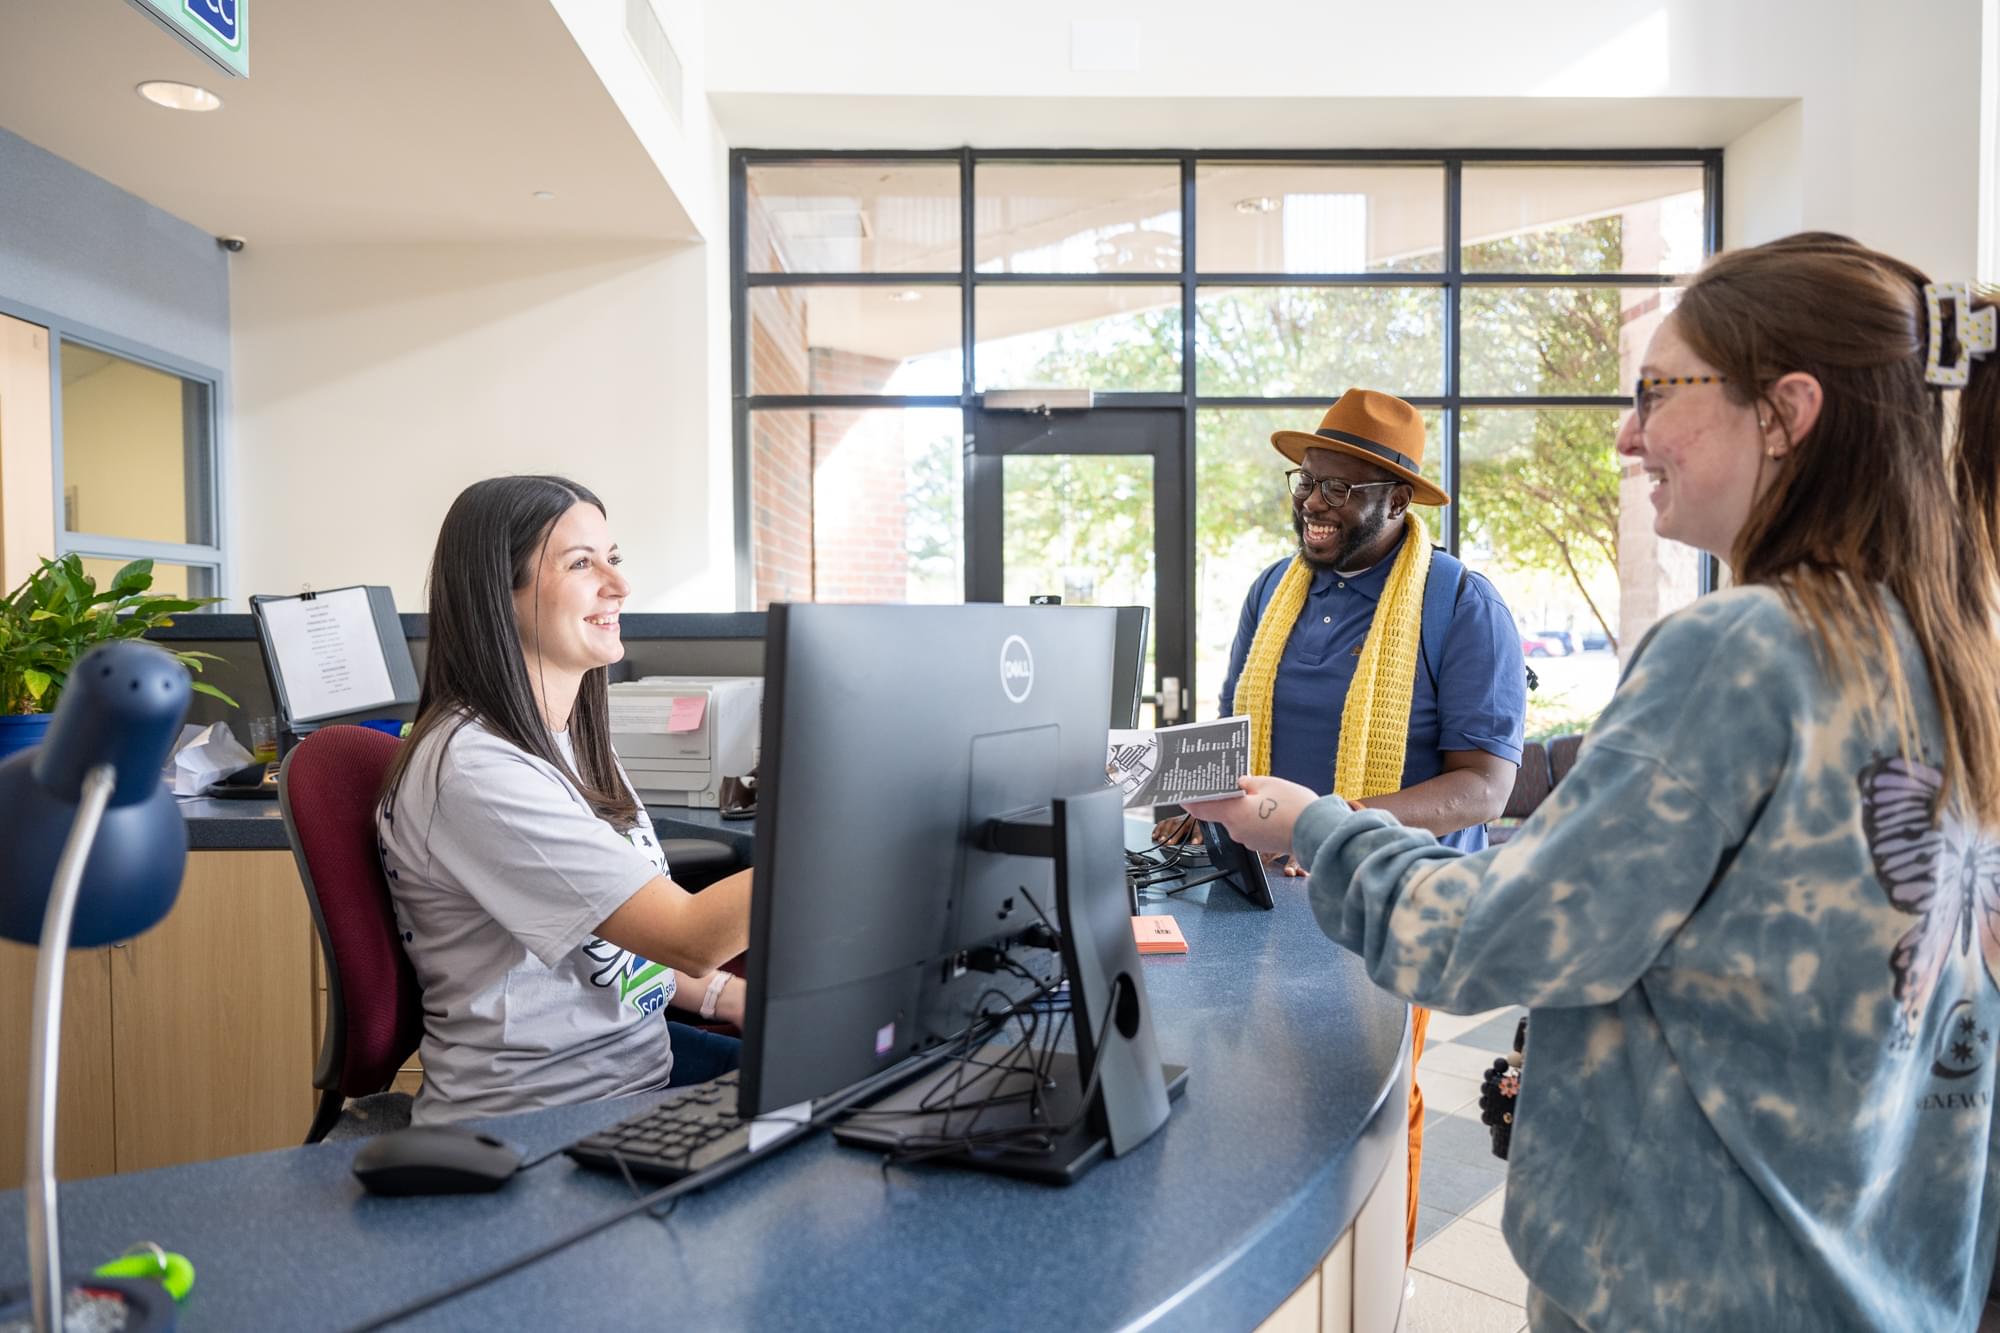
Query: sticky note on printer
x,y
686,713
1158,934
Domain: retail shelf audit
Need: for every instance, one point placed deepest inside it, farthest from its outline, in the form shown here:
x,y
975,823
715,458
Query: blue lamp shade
x,y
122,706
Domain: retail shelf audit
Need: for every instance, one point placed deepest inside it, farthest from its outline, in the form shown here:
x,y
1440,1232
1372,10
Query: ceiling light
x,y
1263,203
545,195
179,96
907,295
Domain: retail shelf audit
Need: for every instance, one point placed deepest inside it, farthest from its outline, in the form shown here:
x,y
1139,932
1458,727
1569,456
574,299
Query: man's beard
x,y
1358,534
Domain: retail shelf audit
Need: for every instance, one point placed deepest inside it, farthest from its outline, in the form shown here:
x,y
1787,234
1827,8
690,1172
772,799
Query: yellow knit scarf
x,y
1375,724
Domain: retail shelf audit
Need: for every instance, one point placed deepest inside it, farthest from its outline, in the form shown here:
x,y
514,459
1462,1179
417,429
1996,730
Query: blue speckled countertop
x,y
1294,1103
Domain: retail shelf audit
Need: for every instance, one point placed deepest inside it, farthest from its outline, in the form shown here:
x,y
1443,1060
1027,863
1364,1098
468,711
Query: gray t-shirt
x,y
500,873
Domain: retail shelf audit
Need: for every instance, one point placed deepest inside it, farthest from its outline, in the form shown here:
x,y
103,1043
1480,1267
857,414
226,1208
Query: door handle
x,y
1172,700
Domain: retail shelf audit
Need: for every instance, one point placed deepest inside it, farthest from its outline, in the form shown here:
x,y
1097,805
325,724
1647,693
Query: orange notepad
x,y
1158,934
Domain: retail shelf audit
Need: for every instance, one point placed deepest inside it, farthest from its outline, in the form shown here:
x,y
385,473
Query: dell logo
x,y
1017,668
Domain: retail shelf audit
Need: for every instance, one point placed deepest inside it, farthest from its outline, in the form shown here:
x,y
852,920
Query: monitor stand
x,y
1085,837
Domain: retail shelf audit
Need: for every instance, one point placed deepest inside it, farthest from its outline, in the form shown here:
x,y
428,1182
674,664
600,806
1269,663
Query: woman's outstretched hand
x,y
1262,817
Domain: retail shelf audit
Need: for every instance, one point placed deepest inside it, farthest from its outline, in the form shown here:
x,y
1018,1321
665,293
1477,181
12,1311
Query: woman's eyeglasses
x,y
1331,489
1644,393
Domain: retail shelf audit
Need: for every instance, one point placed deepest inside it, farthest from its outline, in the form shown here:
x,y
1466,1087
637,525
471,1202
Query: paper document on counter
x,y
1198,761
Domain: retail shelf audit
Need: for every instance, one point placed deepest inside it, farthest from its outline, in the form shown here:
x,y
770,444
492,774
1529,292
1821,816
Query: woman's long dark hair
x,y
1874,493
490,547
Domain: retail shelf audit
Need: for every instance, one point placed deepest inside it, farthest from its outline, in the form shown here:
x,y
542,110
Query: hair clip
x,y
1977,332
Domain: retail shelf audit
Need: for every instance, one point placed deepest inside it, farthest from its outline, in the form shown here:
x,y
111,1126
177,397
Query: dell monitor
x,y
918,865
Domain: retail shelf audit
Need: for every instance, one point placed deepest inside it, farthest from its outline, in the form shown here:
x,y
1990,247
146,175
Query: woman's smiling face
x,y
568,609
1703,452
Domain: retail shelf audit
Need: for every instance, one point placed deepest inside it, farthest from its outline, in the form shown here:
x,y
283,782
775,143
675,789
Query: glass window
x,y
136,452
1080,526
1292,217
1635,218
1549,340
1111,338
1550,514
1070,217
1261,342
1243,521
169,579
858,506
852,217
848,340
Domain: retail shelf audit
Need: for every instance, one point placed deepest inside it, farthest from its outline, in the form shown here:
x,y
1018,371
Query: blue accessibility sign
x,y
218,16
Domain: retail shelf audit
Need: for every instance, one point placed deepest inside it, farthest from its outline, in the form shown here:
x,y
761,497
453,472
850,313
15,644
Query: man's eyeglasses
x,y
1644,395
1331,489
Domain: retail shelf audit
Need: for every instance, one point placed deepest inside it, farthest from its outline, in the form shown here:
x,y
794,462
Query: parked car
x,y
1558,636
1596,641
1536,645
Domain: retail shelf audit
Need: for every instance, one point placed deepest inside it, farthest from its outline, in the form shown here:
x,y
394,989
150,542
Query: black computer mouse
x,y
434,1159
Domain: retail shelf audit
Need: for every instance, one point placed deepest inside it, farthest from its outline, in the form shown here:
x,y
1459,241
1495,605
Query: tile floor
x,y
1463,1279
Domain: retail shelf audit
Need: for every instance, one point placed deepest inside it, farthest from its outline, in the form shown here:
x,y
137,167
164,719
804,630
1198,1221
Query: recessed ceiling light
x,y
908,294
545,195
179,96
1263,203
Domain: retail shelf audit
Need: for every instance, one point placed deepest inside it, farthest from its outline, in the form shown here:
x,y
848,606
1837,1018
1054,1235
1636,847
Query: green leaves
x,y
58,614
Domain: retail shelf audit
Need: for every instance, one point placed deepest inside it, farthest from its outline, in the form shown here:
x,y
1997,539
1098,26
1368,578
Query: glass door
x,y
1081,506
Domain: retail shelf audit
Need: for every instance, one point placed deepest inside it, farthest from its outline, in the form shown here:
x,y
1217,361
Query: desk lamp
x,y
95,857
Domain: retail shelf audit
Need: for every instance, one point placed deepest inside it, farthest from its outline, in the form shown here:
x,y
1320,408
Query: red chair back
x,y
329,789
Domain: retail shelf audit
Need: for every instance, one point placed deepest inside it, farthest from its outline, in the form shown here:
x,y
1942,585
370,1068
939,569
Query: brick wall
x,y
826,488
781,469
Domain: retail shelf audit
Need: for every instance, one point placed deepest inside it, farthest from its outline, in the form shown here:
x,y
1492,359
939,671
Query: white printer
x,y
680,736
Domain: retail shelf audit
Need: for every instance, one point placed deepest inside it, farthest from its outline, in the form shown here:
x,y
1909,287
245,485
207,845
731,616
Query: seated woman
x,y
533,900
1758,924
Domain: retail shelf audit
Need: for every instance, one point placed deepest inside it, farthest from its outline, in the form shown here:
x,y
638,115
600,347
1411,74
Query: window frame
x,y
212,459
1452,279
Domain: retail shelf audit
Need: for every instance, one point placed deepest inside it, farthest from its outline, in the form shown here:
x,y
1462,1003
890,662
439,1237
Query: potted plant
x,y
57,615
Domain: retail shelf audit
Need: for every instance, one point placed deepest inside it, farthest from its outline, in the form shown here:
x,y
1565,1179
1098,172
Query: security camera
x,y
233,244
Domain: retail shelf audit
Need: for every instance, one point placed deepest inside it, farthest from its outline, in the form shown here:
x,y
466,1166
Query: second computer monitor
x,y
893,735
1128,665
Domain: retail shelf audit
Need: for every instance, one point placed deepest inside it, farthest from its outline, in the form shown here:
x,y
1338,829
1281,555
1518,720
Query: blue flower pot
x,y
22,731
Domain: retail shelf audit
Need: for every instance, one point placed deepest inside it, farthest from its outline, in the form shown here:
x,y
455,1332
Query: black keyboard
x,y
696,1133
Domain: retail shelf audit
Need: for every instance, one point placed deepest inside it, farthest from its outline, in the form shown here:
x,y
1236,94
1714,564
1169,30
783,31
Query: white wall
x,y
1887,135
373,383
693,159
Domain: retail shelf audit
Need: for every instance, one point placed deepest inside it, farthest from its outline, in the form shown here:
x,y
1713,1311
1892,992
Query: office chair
x,y
328,789
696,863
1562,754
1531,788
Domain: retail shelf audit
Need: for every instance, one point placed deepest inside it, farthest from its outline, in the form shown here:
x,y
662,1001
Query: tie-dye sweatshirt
x,y
1759,1081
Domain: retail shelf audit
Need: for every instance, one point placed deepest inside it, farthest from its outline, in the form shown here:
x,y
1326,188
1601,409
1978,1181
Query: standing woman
x,y
1758,924
533,900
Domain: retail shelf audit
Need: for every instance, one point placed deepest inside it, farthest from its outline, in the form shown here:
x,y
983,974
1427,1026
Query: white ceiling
x,y
362,121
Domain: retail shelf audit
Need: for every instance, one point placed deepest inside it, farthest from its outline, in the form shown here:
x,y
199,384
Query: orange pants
x,y
1420,1019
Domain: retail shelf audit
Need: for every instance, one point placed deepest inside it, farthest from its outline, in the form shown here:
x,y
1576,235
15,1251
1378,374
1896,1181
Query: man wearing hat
x,y
1333,659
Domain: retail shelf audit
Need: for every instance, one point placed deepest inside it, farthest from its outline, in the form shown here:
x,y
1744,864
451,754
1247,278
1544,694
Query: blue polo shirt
x,y
1475,699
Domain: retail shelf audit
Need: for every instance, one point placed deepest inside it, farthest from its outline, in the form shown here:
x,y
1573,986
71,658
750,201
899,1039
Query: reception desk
x,y
1274,1193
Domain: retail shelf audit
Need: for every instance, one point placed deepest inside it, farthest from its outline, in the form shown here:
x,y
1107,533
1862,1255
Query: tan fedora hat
x,y
1378,428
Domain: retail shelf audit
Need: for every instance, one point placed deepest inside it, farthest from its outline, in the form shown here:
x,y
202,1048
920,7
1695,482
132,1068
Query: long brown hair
x,y
488,549
1870,496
